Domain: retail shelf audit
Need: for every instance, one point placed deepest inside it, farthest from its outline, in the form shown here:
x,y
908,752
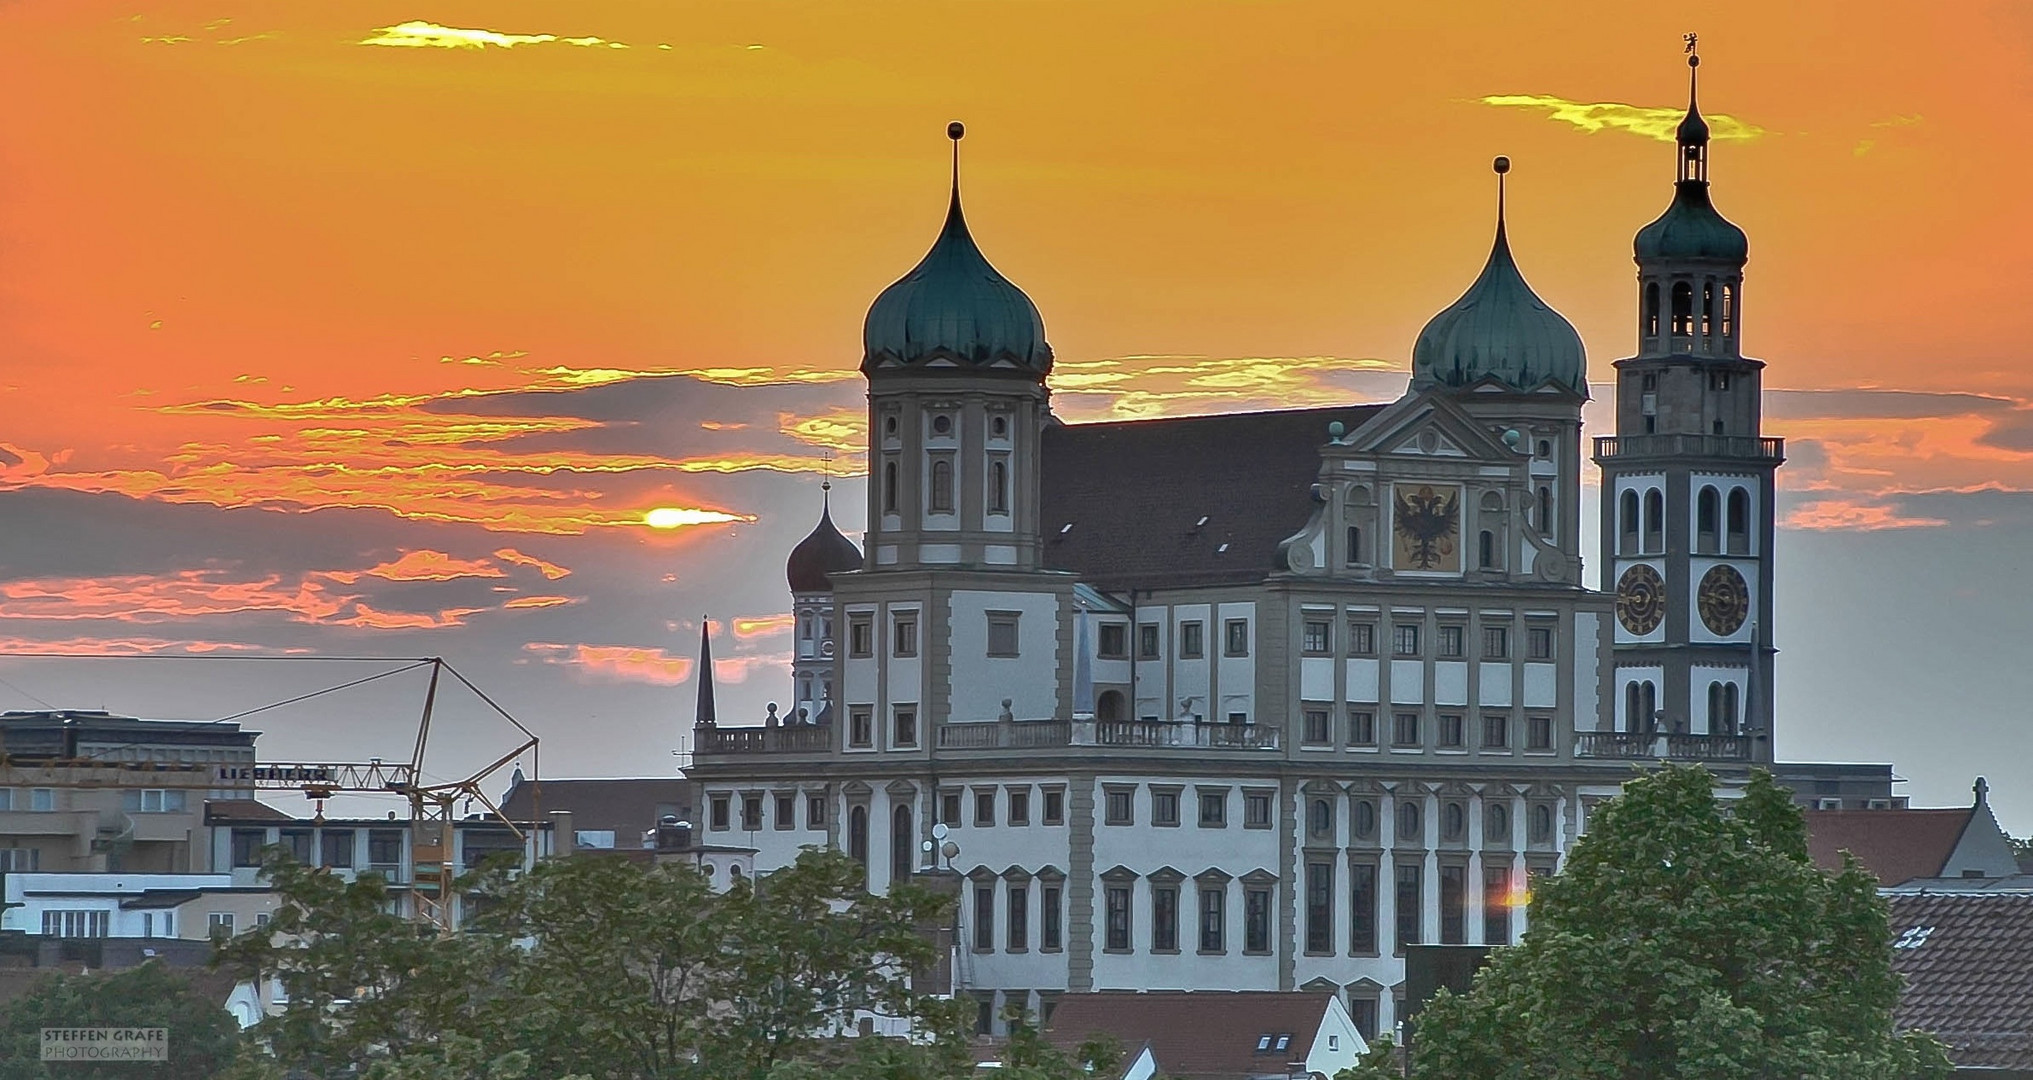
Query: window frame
x,y
1009,625
1316,637
1192,639
1496,641
1119,649
903,642
1405,639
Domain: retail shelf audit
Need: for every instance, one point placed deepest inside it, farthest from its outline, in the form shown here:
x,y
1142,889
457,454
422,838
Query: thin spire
x,y
1502,165
1693,67
705,715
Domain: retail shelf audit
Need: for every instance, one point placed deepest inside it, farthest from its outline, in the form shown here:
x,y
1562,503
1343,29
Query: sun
x,y
678,517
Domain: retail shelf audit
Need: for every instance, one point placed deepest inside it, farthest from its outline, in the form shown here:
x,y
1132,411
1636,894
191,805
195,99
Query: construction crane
x,y
431,804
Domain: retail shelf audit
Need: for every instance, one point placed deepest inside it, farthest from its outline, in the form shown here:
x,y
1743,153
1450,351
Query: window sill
x,y
1265,827
1212,952
1362,748
1164,952
1051,948
1119,952
1164,824
1118,824
1403,749
1052,824
1015,949
1451,751
1214,825
1256,952
1316,746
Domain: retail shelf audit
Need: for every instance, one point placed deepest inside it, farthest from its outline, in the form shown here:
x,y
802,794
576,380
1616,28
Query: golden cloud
x,y
755,626
549,570
628,663
418,34
1649,121
522,602
126,646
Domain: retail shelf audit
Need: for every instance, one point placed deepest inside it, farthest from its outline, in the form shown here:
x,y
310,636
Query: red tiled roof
x,y
1894,845
1968,963
1200,1034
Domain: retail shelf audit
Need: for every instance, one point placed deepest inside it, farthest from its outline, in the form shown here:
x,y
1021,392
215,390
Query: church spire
x,y
1692,135
704,714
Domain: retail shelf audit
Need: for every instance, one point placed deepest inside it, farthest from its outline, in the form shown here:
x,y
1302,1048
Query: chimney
x,y
564,840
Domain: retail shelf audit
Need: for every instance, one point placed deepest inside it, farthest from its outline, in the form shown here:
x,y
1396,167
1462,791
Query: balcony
x,y
1632,746
1755,447
1185,735
1011,735
799,738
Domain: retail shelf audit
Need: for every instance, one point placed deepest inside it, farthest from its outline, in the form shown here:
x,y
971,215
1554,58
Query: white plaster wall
x,y
1029,680
906,673
1408,682
1494,684
1154,695
1364,678
1191,678
1585,662
1237,682
1450,682
1542,685
1316,678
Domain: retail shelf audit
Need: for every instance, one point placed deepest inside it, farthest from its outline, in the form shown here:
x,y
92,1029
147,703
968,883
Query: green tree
x,y
204,1040
1686,938
1380,1063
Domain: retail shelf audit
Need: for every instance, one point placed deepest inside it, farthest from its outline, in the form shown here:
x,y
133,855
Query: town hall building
x,y
1253,701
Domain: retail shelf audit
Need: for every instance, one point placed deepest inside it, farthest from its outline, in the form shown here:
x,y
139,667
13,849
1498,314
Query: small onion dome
x,y
824,552
1691,228
1500,328
953,307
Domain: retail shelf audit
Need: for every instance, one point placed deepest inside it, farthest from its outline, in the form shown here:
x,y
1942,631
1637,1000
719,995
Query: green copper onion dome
x,y
1501,329
1691,228
954,310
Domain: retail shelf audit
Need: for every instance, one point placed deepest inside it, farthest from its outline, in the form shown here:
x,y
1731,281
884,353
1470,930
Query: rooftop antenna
x,y
826,484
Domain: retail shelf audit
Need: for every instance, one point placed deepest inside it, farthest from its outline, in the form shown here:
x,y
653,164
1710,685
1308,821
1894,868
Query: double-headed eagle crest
x,y
1426,522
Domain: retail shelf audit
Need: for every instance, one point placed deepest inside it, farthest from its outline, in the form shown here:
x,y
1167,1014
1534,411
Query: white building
x,y
1248,702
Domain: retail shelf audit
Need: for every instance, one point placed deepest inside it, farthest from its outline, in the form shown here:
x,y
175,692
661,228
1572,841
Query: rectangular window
x,y
860,636
1453,642
751,812
984,917
815,812
949,808
75,924
1451,735
1055,808
904,635
1213,918
1363,1011
1362,638
1114,641
1002,633
904,726
1453,905
860,727
1362,897
1496,905
338,845
1164,807
247,845
1213,809
298,841
1405,729
1117,907
151,801
1496,731
1190,645
1256,810
1235,638
1317,732
1539,642
1147,641
1020,806
1165,918
1120,807
1019,918
1319,907
1405,639
1362,727
719,812
42,799
984,808
1496,642
1316,639
6,798
786,812
1409,898
1538,733
1256,920
219,925
1048,917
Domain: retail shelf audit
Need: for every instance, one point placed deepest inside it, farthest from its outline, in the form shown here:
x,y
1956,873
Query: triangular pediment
x,y
1426,424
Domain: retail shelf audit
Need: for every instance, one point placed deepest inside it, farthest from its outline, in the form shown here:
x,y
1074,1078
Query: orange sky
x,y
251,258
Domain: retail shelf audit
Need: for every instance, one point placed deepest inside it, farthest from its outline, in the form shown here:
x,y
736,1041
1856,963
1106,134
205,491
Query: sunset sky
x,y
377,328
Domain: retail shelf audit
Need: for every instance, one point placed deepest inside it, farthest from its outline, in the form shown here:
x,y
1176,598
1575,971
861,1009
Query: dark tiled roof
x,y
1968,963
1204,1033
242,810
623,805
1134,491
1894,845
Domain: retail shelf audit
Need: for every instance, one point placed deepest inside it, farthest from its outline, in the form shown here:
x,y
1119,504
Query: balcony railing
x,y
797,738
1195,736
1005,735
1727,446
1636,746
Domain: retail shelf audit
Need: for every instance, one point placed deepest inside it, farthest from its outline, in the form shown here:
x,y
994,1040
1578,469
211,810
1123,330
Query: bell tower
x,y
1687,490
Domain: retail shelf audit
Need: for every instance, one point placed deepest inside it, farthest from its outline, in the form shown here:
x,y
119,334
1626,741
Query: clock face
x,y
1724,600
1641,599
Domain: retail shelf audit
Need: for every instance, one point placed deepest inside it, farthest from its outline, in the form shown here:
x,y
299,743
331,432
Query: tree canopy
x,y
204,1039
1687,937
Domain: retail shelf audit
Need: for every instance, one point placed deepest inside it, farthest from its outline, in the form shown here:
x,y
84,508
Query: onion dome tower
x,y
1500,330
1687,485
956,358
810,569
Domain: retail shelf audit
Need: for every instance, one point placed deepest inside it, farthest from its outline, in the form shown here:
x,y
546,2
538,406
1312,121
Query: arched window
x,y
942,485
1683,309
1652,310
1496,824
1542,824
1546,512
1453,821
857,839
1706,509
1408,821
1108,706
901,846
998,487
889,487
1739,521
1648,706
805,627
1627,530
1730,718
1655,523
1364,819
1633,702
1486,550
1353,555
1320,817
1708,308
1716,724
1729,314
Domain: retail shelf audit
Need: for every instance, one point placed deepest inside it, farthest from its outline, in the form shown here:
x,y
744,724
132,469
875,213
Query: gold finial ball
x,y
1693,60
955,130
1502,165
